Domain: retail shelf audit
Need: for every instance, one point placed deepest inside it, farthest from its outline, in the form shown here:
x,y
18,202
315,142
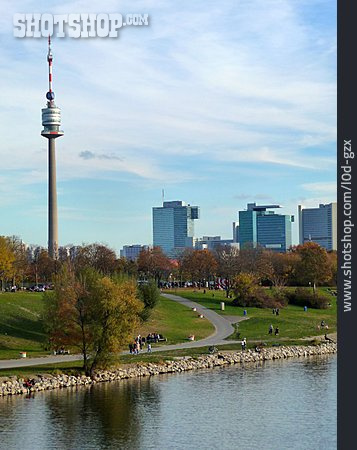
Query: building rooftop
x,y
255,207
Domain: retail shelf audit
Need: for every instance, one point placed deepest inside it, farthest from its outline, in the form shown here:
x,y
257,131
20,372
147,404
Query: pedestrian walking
x,y
271,328
149,348
276,331
243,345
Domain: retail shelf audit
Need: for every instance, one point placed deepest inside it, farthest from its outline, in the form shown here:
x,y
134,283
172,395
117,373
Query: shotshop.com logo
x,y
81,25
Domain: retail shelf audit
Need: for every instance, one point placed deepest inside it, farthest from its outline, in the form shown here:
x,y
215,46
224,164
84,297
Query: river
x,y
277,405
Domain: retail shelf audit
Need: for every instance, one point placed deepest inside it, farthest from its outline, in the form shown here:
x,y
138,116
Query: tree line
x,y
304,265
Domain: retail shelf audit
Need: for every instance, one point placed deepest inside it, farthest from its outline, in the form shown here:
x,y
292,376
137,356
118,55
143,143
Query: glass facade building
x,y
257,226
132,252
319,225
173,227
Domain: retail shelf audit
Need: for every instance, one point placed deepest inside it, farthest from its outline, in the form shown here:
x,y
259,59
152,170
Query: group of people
x,y
153,337
276,311
137,345
271,329
140,341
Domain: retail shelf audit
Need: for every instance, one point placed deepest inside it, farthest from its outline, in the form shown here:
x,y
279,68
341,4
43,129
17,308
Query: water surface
x,y
277,405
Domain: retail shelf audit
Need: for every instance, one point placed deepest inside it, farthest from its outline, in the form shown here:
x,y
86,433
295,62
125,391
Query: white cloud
x,y
184,86
321,187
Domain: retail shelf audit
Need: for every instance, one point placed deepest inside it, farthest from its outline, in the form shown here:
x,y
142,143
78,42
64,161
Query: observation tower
x,y
51,121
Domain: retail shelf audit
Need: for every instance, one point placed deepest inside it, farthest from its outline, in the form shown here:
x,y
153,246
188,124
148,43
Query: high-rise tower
x,y
173,227
319,225
51,121
257,226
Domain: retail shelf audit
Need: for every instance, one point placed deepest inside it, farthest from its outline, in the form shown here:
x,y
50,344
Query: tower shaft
x,y
52,201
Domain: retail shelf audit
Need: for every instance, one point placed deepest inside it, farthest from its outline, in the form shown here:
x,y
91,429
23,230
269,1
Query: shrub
x,y
260,299
306,297
248,293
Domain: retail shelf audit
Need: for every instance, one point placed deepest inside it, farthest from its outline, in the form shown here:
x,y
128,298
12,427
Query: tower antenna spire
x,y
49,59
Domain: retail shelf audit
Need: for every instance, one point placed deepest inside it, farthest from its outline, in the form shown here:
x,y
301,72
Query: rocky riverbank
x,y
14,385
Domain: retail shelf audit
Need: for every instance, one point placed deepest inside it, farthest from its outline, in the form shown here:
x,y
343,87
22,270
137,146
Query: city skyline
x,y
319,220
220,115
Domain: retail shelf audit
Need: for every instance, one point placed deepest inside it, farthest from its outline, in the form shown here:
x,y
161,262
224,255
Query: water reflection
x,y
275,405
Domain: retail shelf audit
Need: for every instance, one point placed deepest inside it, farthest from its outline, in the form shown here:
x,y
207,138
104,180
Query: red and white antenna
x,y
50,94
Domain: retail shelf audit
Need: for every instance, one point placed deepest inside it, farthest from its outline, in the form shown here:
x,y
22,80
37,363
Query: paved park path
x,y
223,328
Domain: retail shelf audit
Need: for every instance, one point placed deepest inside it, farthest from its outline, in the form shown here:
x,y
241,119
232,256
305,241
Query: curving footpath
x,y
223,329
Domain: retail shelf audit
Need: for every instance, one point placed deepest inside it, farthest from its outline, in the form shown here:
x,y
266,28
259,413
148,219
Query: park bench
x,y
161,338
61,352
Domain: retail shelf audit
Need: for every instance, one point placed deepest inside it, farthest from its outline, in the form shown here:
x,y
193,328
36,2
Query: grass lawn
x,y
293,321
21,328
175,322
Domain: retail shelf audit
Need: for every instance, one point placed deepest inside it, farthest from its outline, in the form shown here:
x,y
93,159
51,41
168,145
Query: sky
x,y
218,103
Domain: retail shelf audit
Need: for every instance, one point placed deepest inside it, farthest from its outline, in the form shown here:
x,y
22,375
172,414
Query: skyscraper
x,y
173,226
235,229
51,121
319,225
266,228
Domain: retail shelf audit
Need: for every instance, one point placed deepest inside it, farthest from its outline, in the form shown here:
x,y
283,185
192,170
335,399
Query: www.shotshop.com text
x,y
346,241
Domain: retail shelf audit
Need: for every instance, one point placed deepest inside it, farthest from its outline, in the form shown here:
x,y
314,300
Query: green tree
x,y
149,294
93,313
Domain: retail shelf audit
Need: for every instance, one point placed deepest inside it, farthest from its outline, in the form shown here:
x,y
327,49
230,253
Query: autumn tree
x,y
247,292
7,258
228,266
97,256
313,265
332,257
94,313
205,264
281,267
186,268
245,288
21,265
127,266
198,265
153,263
251,260
42,267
